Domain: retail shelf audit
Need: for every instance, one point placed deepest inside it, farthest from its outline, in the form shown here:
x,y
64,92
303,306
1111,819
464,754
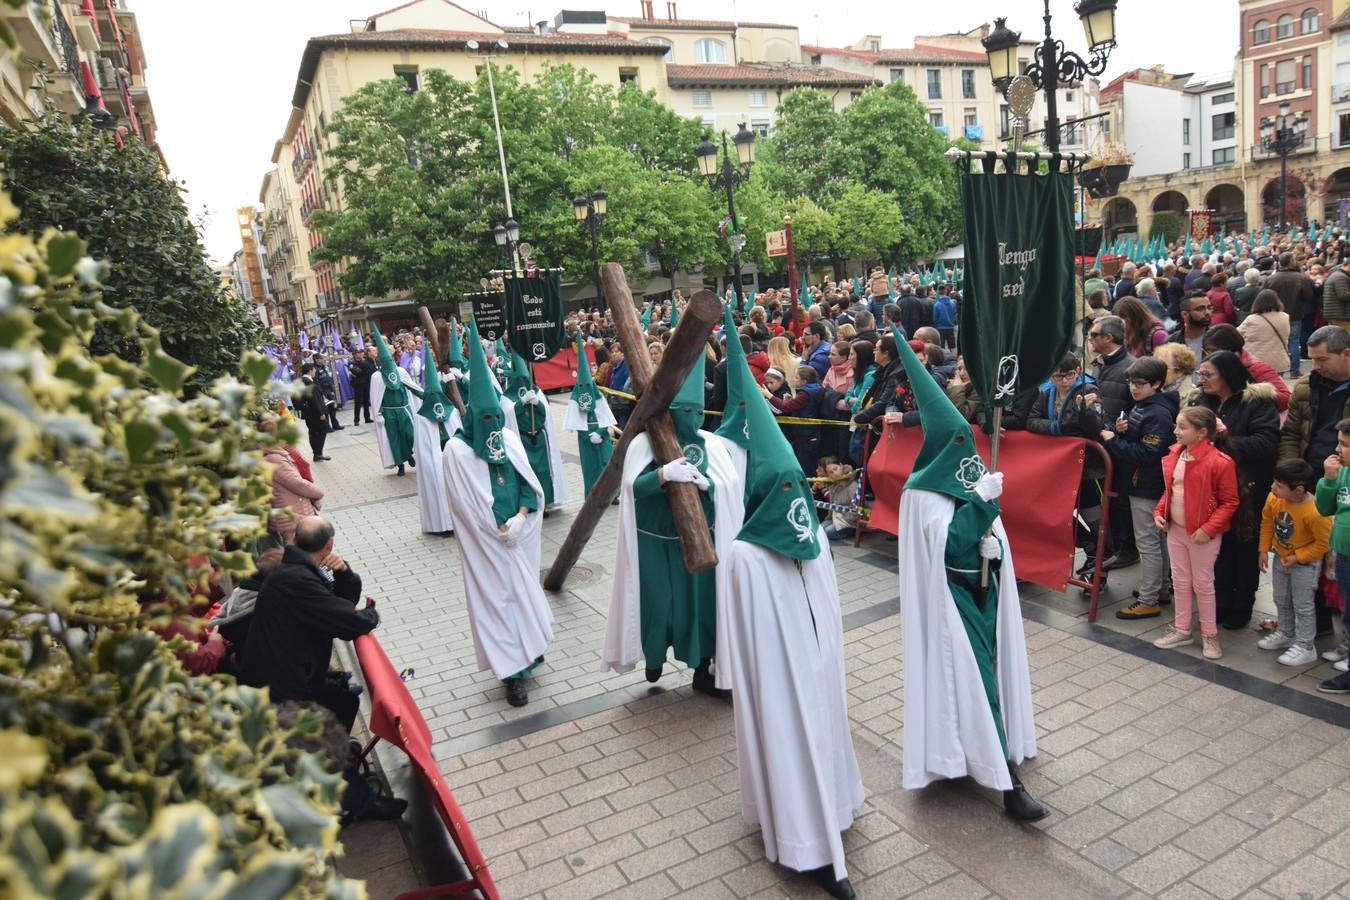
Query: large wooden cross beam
x,y
655,387
438,336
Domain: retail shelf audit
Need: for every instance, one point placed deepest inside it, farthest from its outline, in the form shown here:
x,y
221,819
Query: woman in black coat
x,y
1247,409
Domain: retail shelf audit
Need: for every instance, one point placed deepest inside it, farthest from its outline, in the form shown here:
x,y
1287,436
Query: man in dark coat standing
x,y
324,379
1296,293
363,366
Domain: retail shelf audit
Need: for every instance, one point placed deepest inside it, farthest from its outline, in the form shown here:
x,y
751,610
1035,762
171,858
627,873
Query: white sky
x,y
221,87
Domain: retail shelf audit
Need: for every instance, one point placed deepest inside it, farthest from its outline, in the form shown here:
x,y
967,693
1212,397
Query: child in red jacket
x,y
1200,496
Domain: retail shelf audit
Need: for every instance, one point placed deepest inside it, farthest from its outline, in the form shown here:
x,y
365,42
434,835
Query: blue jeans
x,y
1295,345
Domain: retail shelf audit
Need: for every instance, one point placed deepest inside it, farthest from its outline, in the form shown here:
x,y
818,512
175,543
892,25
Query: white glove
x,y
515,527
595,438
682,470
990,486
454,373
990,548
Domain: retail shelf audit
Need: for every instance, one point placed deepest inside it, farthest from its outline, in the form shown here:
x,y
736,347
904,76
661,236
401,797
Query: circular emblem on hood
x,y
391,379
585,402
438,410
799,517
496,447
694,454
970,471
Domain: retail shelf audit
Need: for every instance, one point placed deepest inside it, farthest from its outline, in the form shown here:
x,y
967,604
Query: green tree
x,y
869,222
1166,223
65,174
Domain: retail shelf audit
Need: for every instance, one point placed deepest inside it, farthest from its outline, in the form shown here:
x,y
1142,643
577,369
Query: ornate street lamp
x,y
590,212
1282,136
729,176
1054,65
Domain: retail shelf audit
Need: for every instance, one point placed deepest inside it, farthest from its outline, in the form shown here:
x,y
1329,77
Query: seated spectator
x,y
1226,337
235,615
307,602
963,395
1180,369
840,490
293,489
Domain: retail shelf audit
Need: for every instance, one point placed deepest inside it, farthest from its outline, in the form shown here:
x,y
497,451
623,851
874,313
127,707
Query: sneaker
x,y
1336,655
1172,638
1338,685
1341,665
1276,640
1139,609
1209,646
1298,656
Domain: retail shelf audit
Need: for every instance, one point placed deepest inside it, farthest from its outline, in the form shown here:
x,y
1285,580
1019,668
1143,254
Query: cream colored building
x,y
723,96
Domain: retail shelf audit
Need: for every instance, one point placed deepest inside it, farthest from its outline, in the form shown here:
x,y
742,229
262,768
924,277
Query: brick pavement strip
x,y
1158,781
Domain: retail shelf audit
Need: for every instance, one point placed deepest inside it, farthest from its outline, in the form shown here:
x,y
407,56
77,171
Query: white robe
x,y
949,731
555,468
509,615
623,628
784,657
576,420
376,397
433,497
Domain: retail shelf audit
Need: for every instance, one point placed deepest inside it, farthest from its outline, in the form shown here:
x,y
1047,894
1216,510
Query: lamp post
x,y
730,175
590,212
507,236
486,56
1053,63
1282,135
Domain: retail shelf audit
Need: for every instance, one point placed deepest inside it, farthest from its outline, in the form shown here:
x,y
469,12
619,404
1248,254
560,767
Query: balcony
x,y
1311,145
45,36
301,162
110,32
1340,92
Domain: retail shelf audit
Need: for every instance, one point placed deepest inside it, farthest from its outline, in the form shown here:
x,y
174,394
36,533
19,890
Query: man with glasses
x,y
1195,313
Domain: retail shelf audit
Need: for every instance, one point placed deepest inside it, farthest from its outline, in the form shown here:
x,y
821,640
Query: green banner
x,y
534,314
1017,307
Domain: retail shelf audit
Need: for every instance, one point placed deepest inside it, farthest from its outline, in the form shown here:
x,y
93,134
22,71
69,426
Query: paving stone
x,y
1284,841
1214,836
1136,799
1308,877
706,866
1159,869
1080,829
1109,855
1153,829
1232,873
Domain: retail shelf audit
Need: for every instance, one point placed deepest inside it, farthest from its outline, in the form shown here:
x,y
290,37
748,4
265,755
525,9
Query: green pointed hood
x,y
780,514
646,318
483,417
674,314
518,378
585,394
686,410
454,354
393,382
948,462
436,405
740,384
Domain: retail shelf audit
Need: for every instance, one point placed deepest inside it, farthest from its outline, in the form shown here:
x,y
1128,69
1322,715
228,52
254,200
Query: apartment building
x,y
85,56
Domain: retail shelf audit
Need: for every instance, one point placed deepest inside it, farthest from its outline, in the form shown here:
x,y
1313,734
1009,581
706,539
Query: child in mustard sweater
x,y
1299,536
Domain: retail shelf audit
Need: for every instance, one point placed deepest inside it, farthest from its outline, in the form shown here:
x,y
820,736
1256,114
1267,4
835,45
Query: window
x,y
875,45
759,99
626,75
1261,32
702,98
1106,125
1004,120
1284,27
1223,156
1307,73
1185,131
708,50
1068,96
409,76
1284,76
897,74
1185,160
670,53
760,127
1343,131
968,84
1220,99
1071,133
854,96
934,84
935,118
1223,126
1265,81
970,116
1308,21
709,125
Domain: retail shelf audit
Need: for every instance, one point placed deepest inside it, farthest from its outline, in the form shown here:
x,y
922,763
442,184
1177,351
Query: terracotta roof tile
x,y
917,54
785,74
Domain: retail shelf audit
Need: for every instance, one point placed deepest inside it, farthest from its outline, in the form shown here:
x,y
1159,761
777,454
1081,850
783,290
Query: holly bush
x,y
123,776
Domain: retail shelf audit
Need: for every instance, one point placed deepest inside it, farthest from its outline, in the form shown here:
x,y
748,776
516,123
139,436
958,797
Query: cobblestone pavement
x,y
1166,775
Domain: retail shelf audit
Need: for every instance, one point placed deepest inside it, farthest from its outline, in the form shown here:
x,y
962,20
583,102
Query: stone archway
x,y
1119,217
1172,201
1295,204
1230,208
1335,189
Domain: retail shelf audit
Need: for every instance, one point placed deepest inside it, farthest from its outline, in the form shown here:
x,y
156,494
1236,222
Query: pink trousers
x,y
1192,574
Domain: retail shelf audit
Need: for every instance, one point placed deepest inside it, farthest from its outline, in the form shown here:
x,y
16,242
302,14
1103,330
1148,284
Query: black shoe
x,y
1087,591
400,468
839,889
383,809
653,675
326,458
412,462
516,694
1120,562
1085,570
1019,804
705,683
339,428
1338,685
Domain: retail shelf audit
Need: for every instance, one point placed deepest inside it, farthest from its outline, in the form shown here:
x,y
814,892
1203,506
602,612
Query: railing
x,y
1340,92
63,39
1311,144
301,158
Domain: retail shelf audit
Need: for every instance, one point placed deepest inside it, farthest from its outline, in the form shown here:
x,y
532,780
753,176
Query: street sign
x,y
776,243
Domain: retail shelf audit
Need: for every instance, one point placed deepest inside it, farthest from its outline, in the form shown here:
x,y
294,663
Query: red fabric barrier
x,y
1040,490
560,370
394,717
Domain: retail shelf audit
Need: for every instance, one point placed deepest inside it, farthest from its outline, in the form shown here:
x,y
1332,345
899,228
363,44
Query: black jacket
x,y
888,389
1295,290
312,407
324,379
1113,389
1138,453
911,314
360,372
297,616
